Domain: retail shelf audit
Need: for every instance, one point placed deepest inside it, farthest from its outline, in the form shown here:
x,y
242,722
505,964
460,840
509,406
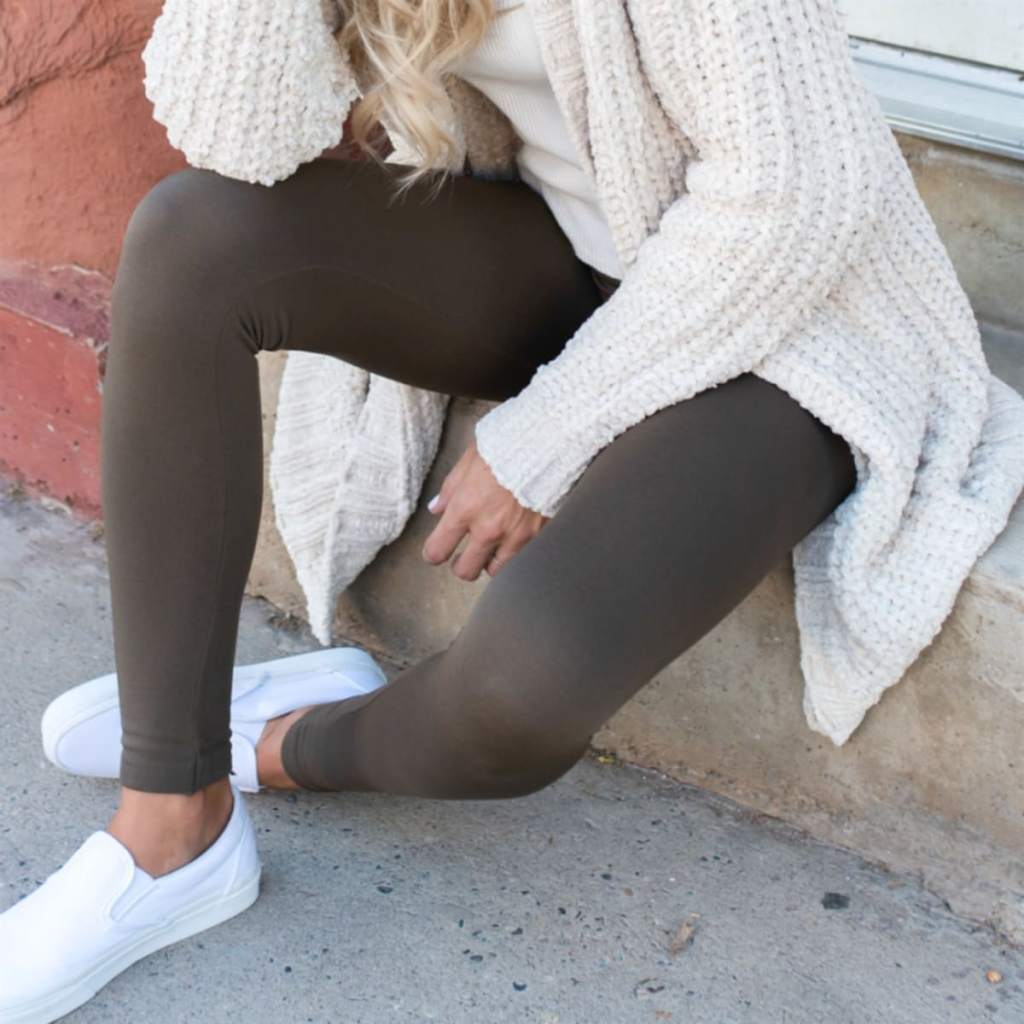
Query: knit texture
x,y
345,471
767,222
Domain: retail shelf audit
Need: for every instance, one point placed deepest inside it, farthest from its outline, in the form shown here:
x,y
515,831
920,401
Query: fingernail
x,y
432,504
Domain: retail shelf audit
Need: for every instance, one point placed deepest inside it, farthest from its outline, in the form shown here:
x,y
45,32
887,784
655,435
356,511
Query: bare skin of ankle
x,y
269,767
165,831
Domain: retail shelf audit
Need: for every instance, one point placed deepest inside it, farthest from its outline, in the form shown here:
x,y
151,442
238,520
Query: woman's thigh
x,y
466,292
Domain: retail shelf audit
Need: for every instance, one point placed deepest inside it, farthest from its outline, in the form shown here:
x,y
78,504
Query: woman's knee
x,y
191,245
509,762
180,225
510,743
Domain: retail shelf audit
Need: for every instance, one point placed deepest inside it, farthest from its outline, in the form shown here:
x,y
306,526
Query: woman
x,y
677,242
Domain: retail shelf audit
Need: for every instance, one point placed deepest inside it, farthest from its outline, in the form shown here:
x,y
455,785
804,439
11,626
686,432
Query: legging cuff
x,y
185,772
296,739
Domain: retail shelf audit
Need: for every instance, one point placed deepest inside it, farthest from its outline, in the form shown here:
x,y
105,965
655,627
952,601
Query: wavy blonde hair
x,y
400,49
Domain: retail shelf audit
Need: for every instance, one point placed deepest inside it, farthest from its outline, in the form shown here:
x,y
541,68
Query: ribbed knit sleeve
x,y
778,196
249,88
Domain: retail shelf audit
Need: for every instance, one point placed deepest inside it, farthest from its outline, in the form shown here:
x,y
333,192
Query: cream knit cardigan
x,y
766,221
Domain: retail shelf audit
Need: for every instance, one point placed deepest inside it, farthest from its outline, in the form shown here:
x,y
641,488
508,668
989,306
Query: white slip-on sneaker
x,y
100,913
81,728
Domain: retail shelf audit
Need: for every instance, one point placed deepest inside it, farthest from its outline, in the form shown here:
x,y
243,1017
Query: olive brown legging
x,y
671,525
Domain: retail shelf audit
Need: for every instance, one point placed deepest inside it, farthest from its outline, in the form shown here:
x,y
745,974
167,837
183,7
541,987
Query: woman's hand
x,y
471,501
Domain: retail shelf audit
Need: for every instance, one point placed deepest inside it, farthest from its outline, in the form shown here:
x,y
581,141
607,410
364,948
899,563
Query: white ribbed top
x,y
507,66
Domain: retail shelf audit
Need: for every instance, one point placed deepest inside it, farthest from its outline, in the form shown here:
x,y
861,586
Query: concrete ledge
x,y
976,202
932,781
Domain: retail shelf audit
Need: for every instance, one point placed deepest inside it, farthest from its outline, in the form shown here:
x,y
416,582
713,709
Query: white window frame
x,y
945,99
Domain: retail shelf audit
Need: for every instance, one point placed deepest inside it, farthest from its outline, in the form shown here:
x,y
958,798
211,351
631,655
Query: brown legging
x,y
669,528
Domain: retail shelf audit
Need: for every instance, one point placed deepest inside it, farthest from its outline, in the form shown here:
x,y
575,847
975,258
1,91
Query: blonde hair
x,y
399,50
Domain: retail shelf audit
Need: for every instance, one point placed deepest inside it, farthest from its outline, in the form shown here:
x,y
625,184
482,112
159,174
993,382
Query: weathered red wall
x,y
78,150
79,144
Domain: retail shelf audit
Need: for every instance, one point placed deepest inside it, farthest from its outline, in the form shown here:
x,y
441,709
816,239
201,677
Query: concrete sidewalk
x,y
566,906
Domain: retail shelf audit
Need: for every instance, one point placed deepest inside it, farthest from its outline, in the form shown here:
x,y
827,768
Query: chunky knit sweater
x,y
767,223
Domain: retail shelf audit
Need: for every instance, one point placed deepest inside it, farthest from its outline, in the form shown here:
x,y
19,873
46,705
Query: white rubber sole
x,y
55,1005
99,695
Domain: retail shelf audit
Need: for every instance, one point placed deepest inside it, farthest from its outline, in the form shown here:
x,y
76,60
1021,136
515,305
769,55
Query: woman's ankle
x,y
269,763
164,831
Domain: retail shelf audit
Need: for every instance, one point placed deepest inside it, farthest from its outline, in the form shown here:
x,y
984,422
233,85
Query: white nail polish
x,y
433,502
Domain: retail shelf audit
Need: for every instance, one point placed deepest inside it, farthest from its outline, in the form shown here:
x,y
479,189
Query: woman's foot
x,y
102,911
